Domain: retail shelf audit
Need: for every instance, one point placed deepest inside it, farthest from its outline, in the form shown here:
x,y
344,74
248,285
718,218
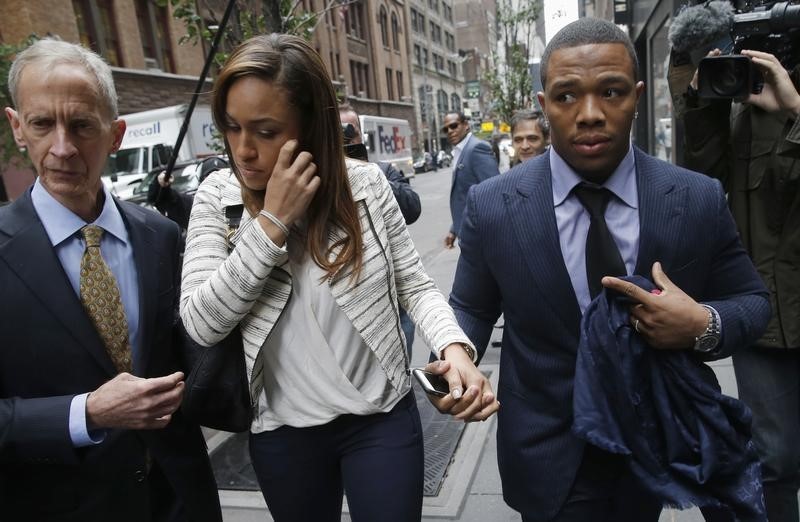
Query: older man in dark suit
x,y
473,162
90,383
539,242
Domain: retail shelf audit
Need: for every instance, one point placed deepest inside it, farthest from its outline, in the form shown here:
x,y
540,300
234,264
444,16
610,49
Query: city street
x,y
471,490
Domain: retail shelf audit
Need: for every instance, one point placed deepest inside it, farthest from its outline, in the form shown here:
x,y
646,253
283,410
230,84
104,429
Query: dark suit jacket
x,y
511,262
476,163
50,352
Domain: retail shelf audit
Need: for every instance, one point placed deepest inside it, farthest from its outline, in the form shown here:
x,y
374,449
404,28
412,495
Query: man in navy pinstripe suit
x,y
523,254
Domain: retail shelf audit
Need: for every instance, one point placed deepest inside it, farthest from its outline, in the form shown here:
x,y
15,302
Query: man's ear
x,y
118,129
639,89
13,119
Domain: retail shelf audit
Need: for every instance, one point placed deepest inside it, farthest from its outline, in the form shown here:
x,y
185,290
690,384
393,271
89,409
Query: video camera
x,y
767,26
353,150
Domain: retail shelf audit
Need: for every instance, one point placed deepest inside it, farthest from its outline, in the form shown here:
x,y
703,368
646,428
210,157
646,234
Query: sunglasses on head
x,y
452,126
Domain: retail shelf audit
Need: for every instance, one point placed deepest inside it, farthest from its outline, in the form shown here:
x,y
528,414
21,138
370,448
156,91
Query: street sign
x,y
472,89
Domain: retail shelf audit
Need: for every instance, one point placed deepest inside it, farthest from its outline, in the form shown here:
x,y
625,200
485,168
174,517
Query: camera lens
x,y
725,77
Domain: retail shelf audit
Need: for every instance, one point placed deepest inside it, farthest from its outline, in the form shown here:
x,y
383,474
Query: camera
x,y
353,150
771,27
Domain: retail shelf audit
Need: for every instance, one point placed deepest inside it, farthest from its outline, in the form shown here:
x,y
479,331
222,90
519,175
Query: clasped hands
x,y
471,397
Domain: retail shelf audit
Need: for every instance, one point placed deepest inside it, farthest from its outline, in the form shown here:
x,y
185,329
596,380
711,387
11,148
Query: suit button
x,y
139,474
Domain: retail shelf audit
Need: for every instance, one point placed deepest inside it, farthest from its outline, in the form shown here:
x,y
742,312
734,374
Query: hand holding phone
x,y
432,384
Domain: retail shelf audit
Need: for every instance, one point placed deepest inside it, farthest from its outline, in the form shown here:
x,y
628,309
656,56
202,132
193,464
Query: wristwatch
x,y
708,340
467,348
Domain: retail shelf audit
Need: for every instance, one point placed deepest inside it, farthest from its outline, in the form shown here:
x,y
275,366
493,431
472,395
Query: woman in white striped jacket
x,y
318,264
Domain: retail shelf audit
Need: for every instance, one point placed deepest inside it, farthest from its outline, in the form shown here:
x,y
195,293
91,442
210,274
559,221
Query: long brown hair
x,y
291,63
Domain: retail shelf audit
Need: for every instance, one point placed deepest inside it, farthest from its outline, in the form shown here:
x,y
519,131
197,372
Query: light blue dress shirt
x,y
622,218
63,228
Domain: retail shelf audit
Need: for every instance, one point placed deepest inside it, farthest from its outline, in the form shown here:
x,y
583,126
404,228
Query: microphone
x,y
696,28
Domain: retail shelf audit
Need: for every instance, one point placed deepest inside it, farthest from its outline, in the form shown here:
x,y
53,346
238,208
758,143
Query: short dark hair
x,y
587,31
533,115
461,116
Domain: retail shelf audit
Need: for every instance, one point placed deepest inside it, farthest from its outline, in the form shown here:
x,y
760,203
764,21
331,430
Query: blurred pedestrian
x,y
473,162
319,261
530,135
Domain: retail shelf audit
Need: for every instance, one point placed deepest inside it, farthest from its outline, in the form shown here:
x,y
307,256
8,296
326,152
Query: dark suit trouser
x,y
604,491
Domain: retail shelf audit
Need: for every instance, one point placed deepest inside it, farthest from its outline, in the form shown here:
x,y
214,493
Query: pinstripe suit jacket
x,y
511,262
476,163
253,284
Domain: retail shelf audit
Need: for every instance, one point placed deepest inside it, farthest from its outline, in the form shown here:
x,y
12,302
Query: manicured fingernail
x,y
456,393
655,291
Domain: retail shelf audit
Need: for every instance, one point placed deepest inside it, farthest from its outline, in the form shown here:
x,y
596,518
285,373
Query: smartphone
x,y
431,383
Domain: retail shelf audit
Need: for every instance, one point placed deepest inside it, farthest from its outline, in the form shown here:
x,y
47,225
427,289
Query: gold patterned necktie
x,y
101,300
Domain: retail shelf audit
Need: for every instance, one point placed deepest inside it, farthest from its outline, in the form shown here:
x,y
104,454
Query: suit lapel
x,y
661,208
147,258
31,256
530,211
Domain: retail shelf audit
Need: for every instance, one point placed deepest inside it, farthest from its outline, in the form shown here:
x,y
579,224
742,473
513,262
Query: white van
x,y
388,139
148,142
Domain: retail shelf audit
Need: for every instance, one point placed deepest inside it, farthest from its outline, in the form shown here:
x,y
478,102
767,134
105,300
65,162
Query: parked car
x,y
186,175
443,159
425,163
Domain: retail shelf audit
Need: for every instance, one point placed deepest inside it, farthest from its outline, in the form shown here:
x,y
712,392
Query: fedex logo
x,y
391,142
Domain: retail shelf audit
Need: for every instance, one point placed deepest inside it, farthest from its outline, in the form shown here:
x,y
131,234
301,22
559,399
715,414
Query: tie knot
x,y
593,198
92,235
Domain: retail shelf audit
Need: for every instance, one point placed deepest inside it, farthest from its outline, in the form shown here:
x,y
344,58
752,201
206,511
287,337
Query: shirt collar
x,y
622,181
60,223
463,143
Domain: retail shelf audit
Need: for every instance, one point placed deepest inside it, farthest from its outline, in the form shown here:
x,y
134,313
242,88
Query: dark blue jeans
x,y
768,383
376,460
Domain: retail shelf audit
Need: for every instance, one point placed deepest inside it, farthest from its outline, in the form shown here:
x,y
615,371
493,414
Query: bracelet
x,y
468,349
275,221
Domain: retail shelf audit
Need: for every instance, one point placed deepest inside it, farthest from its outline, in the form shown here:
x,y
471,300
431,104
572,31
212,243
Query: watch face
x,y
707,343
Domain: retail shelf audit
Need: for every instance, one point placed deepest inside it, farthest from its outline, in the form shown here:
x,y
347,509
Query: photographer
x,y
753,147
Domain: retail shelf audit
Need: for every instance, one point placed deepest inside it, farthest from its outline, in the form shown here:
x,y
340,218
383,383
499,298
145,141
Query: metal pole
x,y
200,82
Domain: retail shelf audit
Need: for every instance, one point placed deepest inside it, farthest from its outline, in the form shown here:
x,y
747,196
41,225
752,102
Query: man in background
x,y
473,162
530,135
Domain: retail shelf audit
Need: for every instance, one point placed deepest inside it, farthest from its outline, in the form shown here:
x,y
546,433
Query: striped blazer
x,y
252,285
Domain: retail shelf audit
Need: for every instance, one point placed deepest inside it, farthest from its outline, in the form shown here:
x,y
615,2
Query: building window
x,y
455,102
418,55
452,68
154,32
438,62
383,21
97,30
354,19
400,90
359,72
395,32
425,58
390,83
434,4
436,32
450,42
447,12
441,102
421,23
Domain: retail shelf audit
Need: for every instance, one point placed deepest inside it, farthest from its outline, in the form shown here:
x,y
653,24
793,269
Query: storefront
x,y
655,129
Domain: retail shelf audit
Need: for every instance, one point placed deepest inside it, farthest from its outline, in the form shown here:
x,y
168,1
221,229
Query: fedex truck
x,y
388,139
148,143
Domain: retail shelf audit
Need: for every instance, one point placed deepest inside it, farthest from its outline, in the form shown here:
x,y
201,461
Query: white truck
x,y
388,139
149,139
